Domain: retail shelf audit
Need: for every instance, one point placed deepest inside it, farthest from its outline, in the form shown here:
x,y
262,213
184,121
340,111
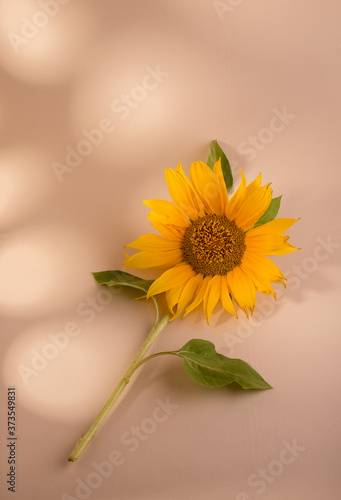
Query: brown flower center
x,y
213,244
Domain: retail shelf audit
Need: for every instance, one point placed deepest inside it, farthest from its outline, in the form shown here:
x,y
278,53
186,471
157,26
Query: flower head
x,y
209,244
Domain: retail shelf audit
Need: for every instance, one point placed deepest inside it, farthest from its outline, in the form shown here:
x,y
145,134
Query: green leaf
x,y
211,369
120,278
270,213
215,153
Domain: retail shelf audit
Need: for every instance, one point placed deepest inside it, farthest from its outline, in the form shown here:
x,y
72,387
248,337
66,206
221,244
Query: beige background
x,y
162,79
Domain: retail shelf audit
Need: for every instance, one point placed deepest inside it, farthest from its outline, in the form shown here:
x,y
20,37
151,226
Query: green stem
x,y
137,361
163,353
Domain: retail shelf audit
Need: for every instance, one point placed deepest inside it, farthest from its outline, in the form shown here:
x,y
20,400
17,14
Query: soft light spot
x,y
41,42
25,183
44,269
48,364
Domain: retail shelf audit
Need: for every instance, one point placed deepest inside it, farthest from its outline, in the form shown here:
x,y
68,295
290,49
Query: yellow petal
x,y
242,289
211,296
274,226
183,194
174,277
263,267
270,244
154,260
165,220
209,188
198,203
164,210
261,284
187,293
153,243
225,297
253,186
235,203
199,295
253,207
173,296
169,231
220,177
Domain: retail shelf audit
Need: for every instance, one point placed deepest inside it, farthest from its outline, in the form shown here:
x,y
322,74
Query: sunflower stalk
x,y
83,442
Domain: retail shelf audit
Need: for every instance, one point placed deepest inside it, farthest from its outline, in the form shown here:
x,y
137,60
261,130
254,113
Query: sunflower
x,y
209,244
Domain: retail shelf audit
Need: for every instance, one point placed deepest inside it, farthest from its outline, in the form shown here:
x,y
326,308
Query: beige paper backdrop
x,y
97,99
